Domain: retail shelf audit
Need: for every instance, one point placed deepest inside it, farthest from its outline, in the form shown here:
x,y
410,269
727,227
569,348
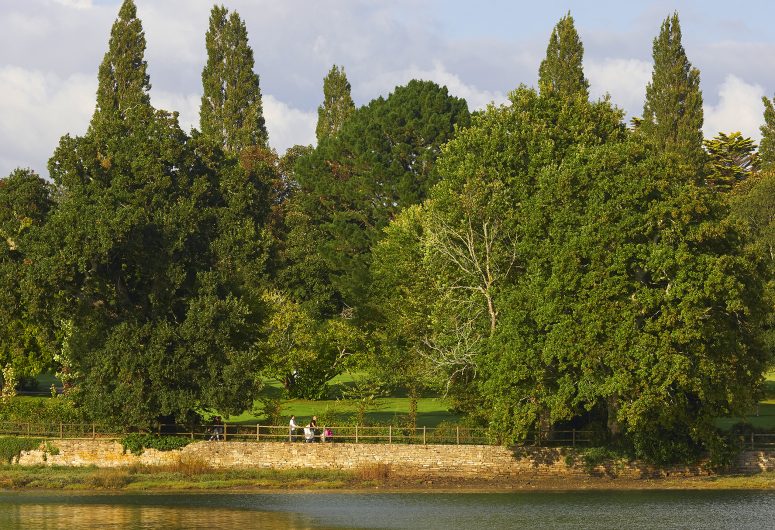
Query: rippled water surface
x,y
594,509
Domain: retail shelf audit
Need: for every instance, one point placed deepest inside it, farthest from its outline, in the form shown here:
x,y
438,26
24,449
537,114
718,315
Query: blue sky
x,y
50,51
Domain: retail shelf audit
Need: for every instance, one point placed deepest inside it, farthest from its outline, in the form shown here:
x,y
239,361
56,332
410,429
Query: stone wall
x,y
480,461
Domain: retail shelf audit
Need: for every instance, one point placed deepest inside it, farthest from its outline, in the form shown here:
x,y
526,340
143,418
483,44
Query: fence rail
x,y
447,434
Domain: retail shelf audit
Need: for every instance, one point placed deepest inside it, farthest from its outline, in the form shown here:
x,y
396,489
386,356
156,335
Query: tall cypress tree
x,y
561,72
337,103
672,113
767,145
123,79
231,112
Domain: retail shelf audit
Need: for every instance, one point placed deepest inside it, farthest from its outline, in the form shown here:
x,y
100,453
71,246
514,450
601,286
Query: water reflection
x,y
47,516
590,509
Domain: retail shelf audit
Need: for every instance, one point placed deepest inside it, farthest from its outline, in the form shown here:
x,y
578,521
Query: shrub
x,y
136,443
43,410
11,447
595,456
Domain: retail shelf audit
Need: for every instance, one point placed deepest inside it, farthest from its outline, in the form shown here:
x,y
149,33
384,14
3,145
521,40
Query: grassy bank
x,y
184,477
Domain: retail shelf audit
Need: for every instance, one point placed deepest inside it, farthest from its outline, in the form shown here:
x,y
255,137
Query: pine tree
x,y
337,103
123,79
767,145
561,72
231,113
672,113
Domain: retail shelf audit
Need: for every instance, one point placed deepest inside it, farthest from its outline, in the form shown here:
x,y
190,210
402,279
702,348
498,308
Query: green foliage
x,y
597,456
231,114
672,113
767,145
561,73
40,410
148,271
12,447
733,159
136,443
25,203
337,104
124,85
353,183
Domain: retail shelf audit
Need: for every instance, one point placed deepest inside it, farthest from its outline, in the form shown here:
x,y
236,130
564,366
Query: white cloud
x,y
37,109
187,105
624,79
477,98
287,126
77,4
739,109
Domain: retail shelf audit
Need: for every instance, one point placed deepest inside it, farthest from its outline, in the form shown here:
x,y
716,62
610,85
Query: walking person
x,y
292,429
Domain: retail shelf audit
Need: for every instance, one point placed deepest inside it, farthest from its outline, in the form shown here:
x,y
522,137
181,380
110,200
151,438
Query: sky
x,y
50,51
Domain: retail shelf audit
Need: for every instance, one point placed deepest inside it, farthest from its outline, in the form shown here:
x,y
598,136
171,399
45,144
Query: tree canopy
x,y
231,113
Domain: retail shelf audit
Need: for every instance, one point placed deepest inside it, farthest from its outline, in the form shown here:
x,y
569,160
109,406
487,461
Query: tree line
x,y
541,262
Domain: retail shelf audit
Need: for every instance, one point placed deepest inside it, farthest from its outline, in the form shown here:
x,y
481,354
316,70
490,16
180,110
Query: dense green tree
x,y
485,239
231,113
672,112
25,202
561,72
143,273
732,159
767,145
123,79
337,103
354,183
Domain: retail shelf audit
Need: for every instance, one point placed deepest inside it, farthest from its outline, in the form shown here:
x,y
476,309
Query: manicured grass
x,y
430,411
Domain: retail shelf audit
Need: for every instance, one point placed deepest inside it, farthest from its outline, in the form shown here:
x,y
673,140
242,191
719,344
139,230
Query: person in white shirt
x,y
309,434
292,429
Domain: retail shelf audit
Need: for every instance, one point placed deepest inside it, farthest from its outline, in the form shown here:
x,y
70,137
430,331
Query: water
x,y
545,510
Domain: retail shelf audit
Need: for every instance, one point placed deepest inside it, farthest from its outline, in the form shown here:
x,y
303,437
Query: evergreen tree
x,y
732,159
123,79
337,103
672,113
767,145
353,184
231,113
142,269
561,72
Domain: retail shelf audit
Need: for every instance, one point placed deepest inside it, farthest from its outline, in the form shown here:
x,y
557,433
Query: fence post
x,y
574,437
61,430
390,434
258,431
225,428
356,433
423,434
93,431
28,428
457,434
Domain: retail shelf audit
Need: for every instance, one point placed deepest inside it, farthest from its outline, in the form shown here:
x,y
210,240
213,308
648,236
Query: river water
x,y
545,510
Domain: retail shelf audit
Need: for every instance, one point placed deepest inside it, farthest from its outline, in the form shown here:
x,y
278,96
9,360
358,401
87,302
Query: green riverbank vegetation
x,y
527,268
196,476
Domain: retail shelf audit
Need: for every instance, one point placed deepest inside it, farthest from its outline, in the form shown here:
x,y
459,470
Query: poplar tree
x,y
139,270
672,113
123,79
767,145
231,113
561,72
337,103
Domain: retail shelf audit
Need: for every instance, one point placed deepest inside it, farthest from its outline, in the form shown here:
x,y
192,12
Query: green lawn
x,y
430,410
